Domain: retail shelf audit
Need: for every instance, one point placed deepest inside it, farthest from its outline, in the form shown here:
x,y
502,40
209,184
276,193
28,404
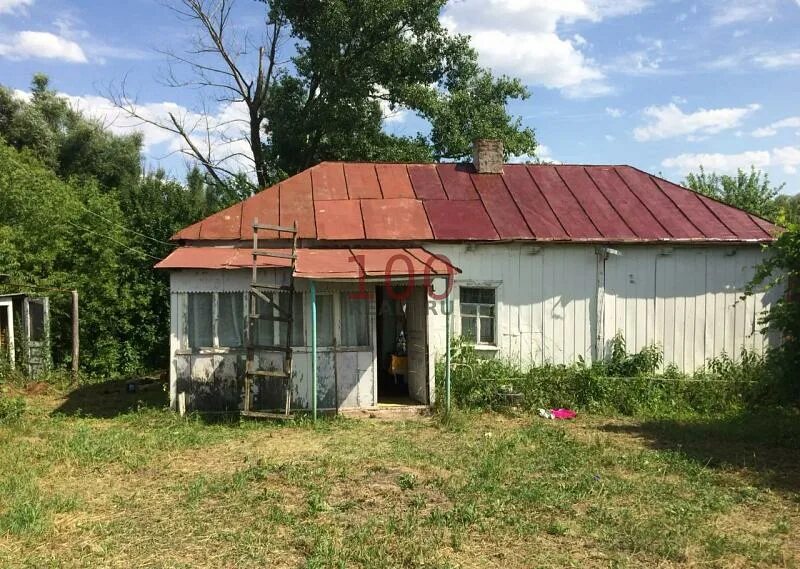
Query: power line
x,y
113,240
127,228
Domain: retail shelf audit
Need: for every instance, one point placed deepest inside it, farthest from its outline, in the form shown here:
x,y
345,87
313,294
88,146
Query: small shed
x,y
25,332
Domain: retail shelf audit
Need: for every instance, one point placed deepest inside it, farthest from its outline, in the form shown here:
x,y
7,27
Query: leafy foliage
x,y
352,61
781,268
751,191
626,383
110,226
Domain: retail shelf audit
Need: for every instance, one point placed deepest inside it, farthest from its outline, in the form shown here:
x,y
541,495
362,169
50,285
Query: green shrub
x,y
631,384
11,408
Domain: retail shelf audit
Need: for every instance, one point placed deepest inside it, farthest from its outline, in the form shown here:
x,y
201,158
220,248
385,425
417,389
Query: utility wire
x,y
114,240
127,228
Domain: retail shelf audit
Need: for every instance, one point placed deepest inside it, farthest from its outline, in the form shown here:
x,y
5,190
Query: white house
x,y
542,263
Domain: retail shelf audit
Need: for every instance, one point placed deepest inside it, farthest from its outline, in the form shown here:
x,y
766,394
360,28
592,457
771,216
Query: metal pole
x,y
75,336
447,352
313,349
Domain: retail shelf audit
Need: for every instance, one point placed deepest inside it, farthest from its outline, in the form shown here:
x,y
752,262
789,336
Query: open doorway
x,y
402,346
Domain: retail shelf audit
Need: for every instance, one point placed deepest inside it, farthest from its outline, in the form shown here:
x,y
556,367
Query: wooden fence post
x,y
75,336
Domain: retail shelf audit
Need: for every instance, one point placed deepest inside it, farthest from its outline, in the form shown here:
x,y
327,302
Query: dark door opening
x,y
402,350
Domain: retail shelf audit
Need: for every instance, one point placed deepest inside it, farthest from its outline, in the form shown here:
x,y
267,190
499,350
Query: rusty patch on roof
x,y
339,219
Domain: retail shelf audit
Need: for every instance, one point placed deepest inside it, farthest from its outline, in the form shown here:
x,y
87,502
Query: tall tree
x,y
751,191
349,63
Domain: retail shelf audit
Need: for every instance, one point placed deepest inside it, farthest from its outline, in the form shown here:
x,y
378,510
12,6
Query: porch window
x,y
478,314
200,320
230,321
272,332
355,320
298,339
325,320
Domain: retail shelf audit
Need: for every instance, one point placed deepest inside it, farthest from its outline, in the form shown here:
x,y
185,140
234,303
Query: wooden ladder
x,y
269,293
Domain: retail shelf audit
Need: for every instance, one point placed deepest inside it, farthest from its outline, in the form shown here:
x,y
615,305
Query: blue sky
x,y
663,85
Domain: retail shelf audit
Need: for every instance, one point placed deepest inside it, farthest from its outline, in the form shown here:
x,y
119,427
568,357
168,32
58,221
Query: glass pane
x,y
36,312
487,330
470,295
263,330
230,323
200,320
355,320
486,310
469,328
486,295
470,309
324,320
297,320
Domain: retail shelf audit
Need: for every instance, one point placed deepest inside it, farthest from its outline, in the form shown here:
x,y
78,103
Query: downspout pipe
x,y
314,349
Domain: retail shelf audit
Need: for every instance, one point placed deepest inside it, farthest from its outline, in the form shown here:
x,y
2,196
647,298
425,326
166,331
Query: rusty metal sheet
x,y
225,224
643,224
596,206
191,232
734,219
394,181
567,209
327,263
534,208
389,262
339,219
264,207
328,181
769,228
362,181
296,204
658,204
457,181
691,206
502,210
464,220
395,219
425,182
438,263
218,258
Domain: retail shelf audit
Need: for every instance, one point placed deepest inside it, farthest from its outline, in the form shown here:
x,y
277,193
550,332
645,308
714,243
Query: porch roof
x,y
325,264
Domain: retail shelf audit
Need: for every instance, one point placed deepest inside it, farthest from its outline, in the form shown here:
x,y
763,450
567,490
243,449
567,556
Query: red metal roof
x,y
450,202
343,263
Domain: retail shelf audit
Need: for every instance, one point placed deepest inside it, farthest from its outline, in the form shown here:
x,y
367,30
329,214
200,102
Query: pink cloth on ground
x,y
563,413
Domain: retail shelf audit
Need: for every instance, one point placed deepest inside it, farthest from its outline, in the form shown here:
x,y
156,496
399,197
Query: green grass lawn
x,y
85,481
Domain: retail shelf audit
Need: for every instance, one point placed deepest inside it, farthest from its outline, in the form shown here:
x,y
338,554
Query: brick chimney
x,y
487,155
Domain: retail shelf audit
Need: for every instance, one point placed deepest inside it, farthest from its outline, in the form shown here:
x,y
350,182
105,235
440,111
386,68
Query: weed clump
x,y
625,383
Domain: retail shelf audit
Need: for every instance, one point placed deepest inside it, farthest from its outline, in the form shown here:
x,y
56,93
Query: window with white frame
x,y
273,332
355,320
215,320
478,308
200,320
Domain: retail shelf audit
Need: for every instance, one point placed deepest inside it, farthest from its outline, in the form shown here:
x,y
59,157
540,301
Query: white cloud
x,y
737,11
41,45
787,157
614,112
772,129
521,38
778,60
670,121
610,138
8,6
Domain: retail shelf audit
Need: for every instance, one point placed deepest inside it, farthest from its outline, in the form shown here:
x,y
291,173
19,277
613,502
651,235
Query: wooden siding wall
x,y
686,299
